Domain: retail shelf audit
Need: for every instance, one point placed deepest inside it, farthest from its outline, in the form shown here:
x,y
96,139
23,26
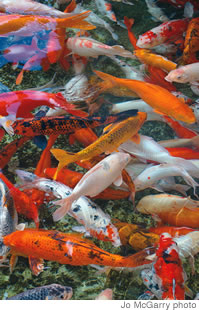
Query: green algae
x,y
86,281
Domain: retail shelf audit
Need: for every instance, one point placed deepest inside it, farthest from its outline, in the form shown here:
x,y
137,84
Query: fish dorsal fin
x,y
136,138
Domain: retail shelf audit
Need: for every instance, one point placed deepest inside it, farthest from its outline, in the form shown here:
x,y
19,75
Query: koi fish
x,y
171,230
149,58
8,217
188,246
105,7
156,96
36,62
20,53
191,43
171,209
23,203
9,149
108,142
30,7
167,271
71,178
162,33
20,103
96,223
88,47
85,136
29,25
149,149
97,21
184,74
64,248
181,131
47,292
134,235
109,170
149,176
64,124
156,12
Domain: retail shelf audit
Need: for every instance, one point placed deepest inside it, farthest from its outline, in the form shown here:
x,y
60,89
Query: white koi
x,y
106,172
151,175
155,11
184,74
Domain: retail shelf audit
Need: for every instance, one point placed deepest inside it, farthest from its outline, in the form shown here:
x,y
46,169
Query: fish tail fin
x,y
108,78
19,77
64,159
128,22
141,258
64,209
190,181
76,21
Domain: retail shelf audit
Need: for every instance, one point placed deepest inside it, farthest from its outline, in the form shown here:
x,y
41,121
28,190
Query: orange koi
x,y
108,142
156,96
45,159
8,150
183,152
181,131
149,58
85,136
28,25
71,178
171,209
72,249
23,204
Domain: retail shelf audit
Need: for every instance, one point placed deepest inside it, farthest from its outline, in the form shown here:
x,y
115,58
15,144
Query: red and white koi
x,y
162,33
96,222
106,172
166,280
84,46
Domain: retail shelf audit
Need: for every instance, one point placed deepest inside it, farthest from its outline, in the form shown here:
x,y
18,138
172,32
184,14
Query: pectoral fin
x,y
36,265
118,181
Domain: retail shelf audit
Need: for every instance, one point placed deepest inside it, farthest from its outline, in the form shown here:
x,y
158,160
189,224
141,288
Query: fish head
x,y
124,158
177,75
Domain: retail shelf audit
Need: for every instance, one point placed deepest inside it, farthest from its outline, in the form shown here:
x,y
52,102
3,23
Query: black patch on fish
x,y
77,208
37,243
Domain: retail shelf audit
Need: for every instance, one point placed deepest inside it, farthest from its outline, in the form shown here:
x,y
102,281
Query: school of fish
x,y
89,134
